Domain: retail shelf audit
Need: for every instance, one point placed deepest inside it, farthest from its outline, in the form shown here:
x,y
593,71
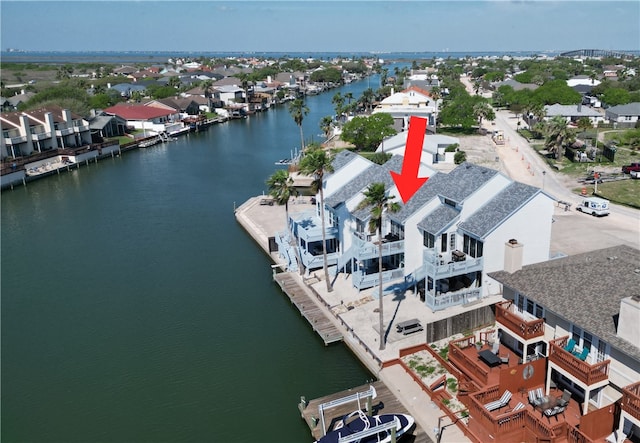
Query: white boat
x,y
368,429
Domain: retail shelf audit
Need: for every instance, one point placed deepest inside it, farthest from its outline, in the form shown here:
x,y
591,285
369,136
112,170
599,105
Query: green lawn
x,y
624,192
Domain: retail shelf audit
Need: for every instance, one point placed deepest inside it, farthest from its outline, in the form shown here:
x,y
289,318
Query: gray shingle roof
x,y
456,185
374,173
439,219
570,111
498,209
341,159
585,289
628,109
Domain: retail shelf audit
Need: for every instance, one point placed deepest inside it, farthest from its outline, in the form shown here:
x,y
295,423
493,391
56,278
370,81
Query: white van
x,y
595,206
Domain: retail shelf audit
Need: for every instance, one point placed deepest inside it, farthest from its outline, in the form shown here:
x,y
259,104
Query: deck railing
x,y
576,436
464,363
507,315
587,373
631,400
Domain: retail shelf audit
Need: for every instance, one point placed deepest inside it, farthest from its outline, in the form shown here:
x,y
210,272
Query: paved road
x,y
573,232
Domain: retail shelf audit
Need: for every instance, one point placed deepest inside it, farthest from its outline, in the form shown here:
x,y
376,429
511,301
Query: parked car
x,y
626,169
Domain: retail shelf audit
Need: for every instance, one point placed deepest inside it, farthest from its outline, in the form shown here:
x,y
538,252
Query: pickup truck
x,y
633,167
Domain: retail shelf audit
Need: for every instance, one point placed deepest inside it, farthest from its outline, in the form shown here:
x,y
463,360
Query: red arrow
x,y
408,181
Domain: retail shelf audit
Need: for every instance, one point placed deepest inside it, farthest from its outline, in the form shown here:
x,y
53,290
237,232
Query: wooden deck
x,y
309,308
385,402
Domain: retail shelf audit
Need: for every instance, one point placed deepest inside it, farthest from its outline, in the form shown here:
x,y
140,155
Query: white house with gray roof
x,y
573,113
442,242
624,115
433,147
586,303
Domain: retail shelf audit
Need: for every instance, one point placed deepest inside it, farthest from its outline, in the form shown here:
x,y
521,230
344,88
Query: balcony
x,y
37,136
81,128
441,301
631,400
526,328
64,131
368,249
448,265
588,374
14,140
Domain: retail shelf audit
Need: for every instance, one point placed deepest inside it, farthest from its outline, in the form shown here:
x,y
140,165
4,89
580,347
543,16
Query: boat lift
x,y
370,394
354,438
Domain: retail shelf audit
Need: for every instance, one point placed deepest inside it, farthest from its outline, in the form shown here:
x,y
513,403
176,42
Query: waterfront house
x,y
230,94
105,126
624,116
410,102
206,100
44,129
442,243
184,106
146,118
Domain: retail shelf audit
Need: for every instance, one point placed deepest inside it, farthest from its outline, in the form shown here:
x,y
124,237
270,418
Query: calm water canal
x,y
135,308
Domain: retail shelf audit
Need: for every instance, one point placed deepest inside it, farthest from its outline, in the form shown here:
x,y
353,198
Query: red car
x,y
627,169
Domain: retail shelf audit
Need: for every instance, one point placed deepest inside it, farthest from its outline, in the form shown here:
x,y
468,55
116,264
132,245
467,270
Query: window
x,y
449,202
360,225
471,246
429,240
443,242
452,241
525,304
397,229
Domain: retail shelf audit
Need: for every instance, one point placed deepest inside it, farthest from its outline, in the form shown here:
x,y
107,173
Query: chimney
x,y
628,325
513,256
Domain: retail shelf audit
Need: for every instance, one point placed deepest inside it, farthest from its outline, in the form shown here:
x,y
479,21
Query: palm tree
x,y
338,101
207,89
316,163
482,110
558,134
298,111
367,97
281,188
280,185
377,199
325,125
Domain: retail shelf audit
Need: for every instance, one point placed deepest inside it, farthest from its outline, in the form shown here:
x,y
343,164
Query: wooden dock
x,y
385,402
308,308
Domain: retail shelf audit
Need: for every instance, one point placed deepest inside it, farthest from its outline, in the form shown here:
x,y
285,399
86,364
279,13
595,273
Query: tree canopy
x,y
366,133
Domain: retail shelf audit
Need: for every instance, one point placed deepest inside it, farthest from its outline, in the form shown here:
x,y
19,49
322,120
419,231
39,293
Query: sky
x,y
319,26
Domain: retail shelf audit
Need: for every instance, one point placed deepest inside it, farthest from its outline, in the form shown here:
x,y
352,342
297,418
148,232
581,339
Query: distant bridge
x,y
598,53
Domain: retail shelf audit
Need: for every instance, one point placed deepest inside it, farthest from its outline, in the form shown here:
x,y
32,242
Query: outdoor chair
x,y
566,396
496,347
551,412
559,410
519,406
583,355
539,393
534,399
505,359
570,345
500,403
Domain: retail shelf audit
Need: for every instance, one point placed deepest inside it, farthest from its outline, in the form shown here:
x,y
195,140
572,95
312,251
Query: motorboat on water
x,y
358,424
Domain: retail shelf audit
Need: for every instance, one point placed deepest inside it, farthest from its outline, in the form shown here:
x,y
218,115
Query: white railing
x,y
446,300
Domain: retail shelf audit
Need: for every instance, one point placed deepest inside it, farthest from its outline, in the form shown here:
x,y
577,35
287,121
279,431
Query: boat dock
x,y
308,308
385,402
